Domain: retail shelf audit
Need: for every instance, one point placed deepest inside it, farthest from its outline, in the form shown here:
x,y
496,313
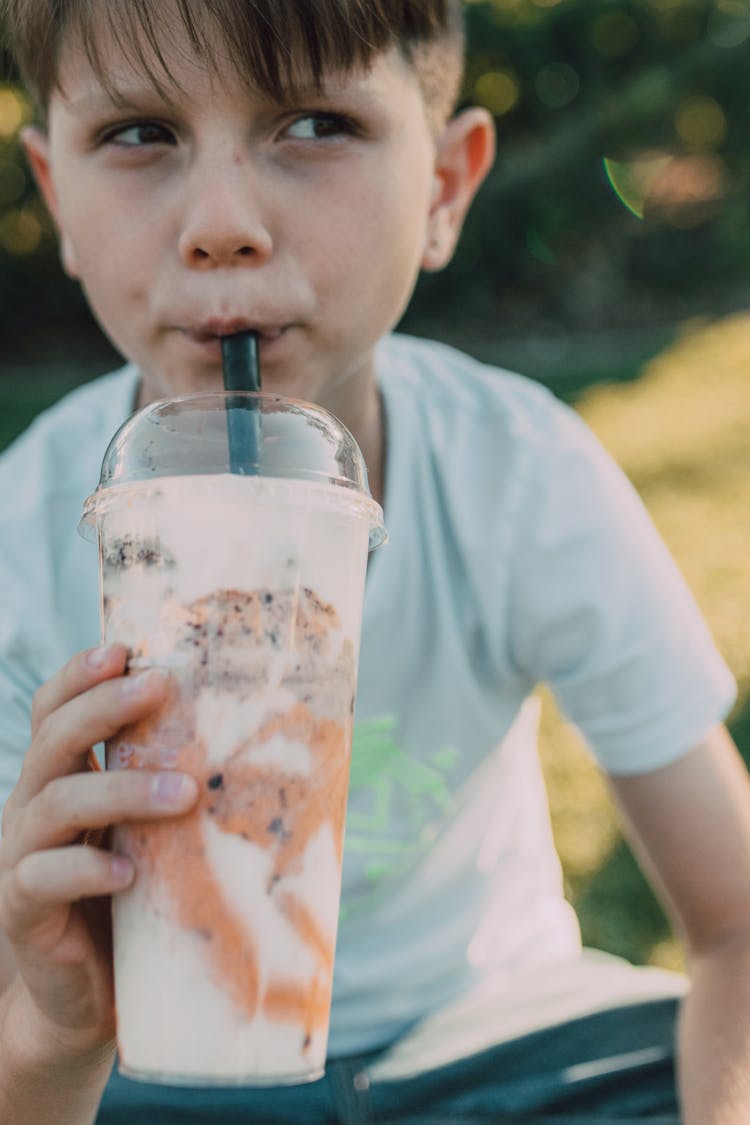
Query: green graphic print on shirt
x,y
396,804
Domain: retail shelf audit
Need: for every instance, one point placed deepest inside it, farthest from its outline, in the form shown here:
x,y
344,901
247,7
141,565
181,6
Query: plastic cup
x,y
248,587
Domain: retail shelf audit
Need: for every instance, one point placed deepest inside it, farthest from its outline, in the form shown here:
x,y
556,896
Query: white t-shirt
x,y
518,553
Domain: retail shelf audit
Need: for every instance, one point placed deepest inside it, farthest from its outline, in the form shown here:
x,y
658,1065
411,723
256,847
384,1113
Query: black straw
x,y
241,368
241,365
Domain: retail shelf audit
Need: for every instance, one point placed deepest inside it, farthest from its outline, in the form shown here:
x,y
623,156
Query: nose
x,y
223,223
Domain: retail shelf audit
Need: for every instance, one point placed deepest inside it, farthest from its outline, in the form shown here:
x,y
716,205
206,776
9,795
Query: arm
x,y
57,1008
690,824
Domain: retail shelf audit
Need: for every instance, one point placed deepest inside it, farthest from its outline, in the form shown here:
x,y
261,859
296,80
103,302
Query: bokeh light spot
x,y
700,121
724,32
20,232
13,112
614,34
688,189
498,91
557,85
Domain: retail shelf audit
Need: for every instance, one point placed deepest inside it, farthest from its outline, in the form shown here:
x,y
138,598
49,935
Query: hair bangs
x,y
273,45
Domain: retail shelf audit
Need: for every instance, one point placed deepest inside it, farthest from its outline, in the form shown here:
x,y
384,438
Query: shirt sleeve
x,y
599,610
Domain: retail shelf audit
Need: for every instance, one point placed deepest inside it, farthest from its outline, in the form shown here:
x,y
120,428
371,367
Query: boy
x,y
214,167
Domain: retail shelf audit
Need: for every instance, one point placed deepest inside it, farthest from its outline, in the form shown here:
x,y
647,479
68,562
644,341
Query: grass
x,y
680,432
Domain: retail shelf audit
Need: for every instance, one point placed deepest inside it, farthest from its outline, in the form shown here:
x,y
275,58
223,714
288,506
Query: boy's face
x,y
208,210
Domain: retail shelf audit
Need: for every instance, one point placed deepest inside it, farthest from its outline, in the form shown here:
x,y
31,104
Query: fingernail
x,y
122,869
98,657
144,682
171,788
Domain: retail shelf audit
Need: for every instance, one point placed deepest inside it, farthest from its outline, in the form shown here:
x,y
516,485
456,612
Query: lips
x,y
204,337
216,328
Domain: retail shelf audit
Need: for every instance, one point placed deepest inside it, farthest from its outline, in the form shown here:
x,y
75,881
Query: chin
x,y
157,389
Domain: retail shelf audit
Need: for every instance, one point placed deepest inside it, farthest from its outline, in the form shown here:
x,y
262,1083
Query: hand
x,y
54,888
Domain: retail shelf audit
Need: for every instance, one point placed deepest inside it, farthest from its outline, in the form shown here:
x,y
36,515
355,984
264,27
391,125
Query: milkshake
x,y
248,589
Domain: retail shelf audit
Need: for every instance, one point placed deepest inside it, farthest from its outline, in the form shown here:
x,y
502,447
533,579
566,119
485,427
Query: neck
x,y
367,425
364,418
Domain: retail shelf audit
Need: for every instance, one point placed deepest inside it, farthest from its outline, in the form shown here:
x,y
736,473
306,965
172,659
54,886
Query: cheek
x,y
116,298
395,246
112,284
111,258
375,236
107,231
398,233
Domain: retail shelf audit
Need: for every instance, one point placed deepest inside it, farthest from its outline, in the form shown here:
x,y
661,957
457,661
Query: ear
x,y
37,148
465,153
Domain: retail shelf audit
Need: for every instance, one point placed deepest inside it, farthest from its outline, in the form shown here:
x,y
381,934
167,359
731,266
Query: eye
x,y
139,134
320,127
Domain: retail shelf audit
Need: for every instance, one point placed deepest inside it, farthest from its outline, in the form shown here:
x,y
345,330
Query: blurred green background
x,y
607,256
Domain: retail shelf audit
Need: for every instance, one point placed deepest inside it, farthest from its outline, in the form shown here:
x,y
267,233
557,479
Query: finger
x,y
48,880
82,672
68,806
65,736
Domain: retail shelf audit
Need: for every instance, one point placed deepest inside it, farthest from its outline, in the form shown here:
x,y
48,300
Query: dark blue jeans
x,y
610,1068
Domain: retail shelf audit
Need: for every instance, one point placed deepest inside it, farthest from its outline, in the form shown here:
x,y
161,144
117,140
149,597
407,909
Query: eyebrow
x,y
104,99
146,99
144,96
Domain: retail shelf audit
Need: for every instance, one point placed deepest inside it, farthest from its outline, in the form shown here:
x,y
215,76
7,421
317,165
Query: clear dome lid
x,y
241,432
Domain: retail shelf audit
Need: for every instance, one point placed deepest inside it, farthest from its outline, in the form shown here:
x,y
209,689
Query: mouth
x,y
208,335
215,330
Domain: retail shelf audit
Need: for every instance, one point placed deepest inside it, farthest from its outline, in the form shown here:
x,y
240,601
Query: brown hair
x,y
271,42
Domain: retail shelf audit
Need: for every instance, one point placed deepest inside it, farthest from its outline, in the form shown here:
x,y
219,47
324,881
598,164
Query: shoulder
x,y
46,475
61,451
446,381
481,453
47,572
457,402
